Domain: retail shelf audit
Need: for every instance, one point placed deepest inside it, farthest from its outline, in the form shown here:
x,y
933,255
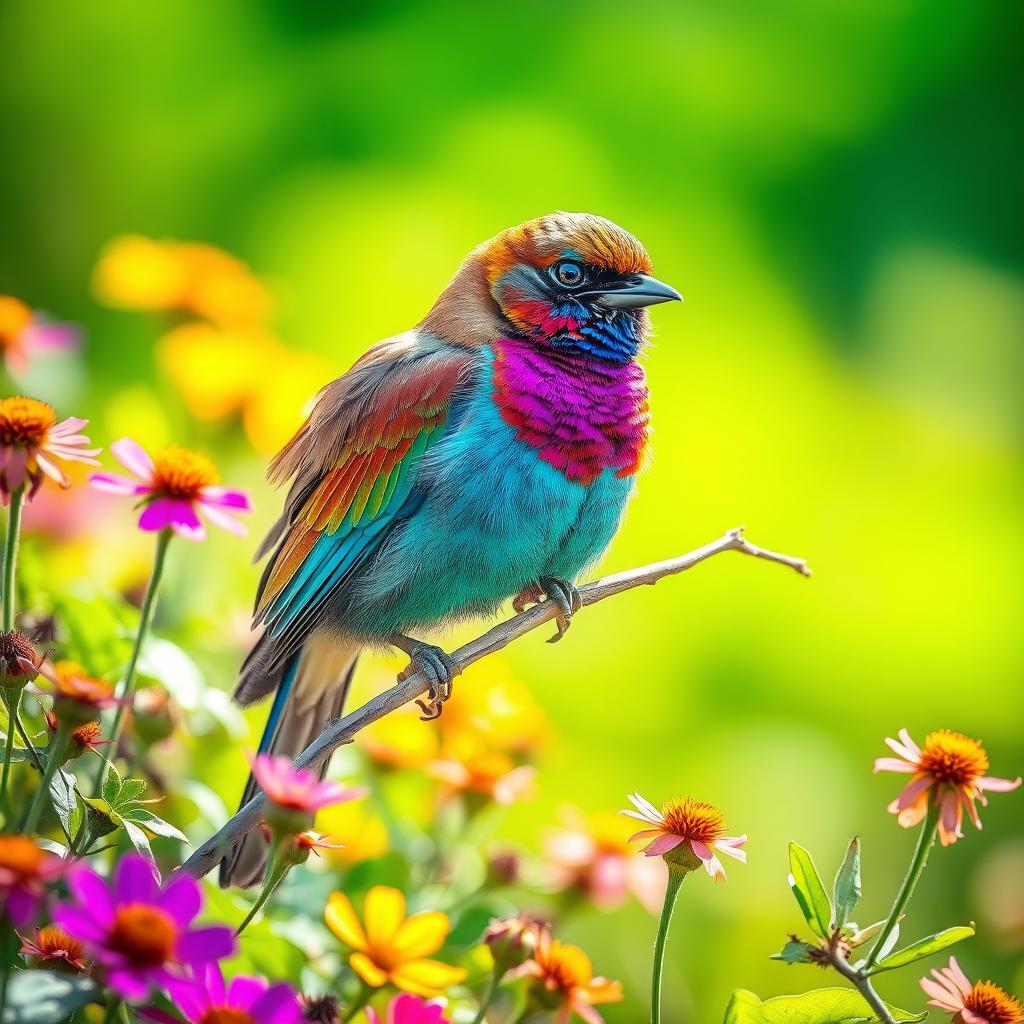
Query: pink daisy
x,y
296,790
980,1003
409,1009
174,486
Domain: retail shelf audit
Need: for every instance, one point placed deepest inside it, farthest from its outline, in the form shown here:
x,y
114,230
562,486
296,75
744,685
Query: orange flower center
x,y
56,944
225,1015
180,473
144,934
563,967
20,856
25,422
86,735
693,820
953,758
994,1005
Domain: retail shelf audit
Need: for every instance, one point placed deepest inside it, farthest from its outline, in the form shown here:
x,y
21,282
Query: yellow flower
x,y
392,947
365,836
399,740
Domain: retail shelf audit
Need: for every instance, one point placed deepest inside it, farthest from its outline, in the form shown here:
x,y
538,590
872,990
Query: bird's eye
x,y
568,273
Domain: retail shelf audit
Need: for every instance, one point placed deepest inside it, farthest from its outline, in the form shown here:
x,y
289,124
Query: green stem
x,y
277,868
54,755
145,622
11,701
675,880
11,555
10,951
485,1003
924,844
358,1003
114,1005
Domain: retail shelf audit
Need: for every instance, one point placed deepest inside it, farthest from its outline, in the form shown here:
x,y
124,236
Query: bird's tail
x,y
311,690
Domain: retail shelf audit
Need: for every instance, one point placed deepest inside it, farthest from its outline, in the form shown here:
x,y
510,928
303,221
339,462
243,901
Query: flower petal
x,y
115,483
134,458
221,497
421,934
383,911
277,1005
181,899
92,892
373,975
136,880
994,785
668,841
894,764
646,808
201,945
426,977
342,920
224,520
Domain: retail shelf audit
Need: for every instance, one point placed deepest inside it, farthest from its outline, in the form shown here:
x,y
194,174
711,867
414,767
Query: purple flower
x,y
139,932
407,1009
205,998
174,486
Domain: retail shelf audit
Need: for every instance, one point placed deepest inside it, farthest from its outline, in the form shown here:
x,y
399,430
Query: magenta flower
x,y
174,486
407,1009
139,932
205,998
25,871
296,790
981,1003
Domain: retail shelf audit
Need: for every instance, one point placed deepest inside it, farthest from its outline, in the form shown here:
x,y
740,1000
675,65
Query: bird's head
x,y
571,281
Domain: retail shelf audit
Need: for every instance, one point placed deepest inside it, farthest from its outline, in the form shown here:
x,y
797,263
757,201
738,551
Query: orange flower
x,y
54,948
25,869
497,710
366,836
980,1003
78,697
399,740
948,773
23,333
83,737
390,947
19,661
565,980
486,773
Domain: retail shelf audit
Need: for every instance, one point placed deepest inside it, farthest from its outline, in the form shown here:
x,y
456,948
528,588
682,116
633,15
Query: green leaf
x,y
65,800
138,838
44,997
847,888
821,1006
111,785
150,823
810,894
795,952
131,789
923,947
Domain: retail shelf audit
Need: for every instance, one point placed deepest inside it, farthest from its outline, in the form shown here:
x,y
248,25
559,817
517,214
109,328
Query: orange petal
x,y
383,912
421,934
426,977
342,920
373,975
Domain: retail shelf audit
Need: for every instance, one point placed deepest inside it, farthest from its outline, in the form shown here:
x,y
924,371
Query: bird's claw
x,y
566,599
439,668
530,594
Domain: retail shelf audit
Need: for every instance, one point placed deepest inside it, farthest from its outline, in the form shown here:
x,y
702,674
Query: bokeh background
x,y
835,188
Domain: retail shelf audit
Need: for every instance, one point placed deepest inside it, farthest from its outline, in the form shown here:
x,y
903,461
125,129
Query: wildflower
x,y
686,832
512,940
309,842
141,933
23,333
321,1009
154,715
594,858
980,1003
25,869
948,772
206,999
366,835
54,949
82,738
408,1009
174,486
32,443
488,773
399,741
497,710
78,697
564,980
392,947
296,790
19,662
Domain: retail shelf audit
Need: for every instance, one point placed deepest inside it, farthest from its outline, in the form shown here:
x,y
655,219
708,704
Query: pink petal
x,y
646,833
908,742
646,807
893,764
133,457
994,785
52,470
51,336
224,520
662,845
940,996
701,850
69,426
115,483
970,1017
645,818
224,498
732,850
911,792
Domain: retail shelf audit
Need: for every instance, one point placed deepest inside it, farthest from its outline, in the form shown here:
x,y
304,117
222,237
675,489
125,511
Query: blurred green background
x,y
834,186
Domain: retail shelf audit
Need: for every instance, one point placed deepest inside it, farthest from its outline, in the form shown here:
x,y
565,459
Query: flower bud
x,y
512,940
81,739
78,698
19,661
503,869
154,715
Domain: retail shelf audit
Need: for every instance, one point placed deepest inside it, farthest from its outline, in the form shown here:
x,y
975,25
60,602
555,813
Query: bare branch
x,y
342,731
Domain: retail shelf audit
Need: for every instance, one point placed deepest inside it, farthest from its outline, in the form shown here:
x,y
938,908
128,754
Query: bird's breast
x,y
579,414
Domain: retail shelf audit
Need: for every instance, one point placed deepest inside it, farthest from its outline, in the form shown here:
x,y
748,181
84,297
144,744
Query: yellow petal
x,y
342,920
421,934
383,912
373,975
426,977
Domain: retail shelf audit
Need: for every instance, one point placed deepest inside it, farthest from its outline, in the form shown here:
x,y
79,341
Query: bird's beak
x,y
639,290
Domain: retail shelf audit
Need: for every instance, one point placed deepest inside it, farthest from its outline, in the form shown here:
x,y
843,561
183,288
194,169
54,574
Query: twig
x,y
495,639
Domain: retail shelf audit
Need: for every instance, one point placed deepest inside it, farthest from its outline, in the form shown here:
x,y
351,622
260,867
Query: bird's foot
x,y
438,667
530,594
566,599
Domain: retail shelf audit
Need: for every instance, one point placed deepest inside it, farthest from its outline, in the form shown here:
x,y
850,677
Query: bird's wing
x,y
354,463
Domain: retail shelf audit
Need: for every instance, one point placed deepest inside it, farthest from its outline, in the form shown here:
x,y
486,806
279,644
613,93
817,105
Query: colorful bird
x,y
489,453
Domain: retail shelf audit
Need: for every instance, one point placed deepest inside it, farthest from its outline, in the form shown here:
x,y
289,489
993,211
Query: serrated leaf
x,y
45,997
847,889
794,952
821,1006
131,790
111,785
923,947
810,894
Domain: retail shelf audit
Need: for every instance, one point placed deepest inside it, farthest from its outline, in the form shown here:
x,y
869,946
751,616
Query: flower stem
x,y
863,985
11,702
924,844
675,880
489,994
277,868
54,756
145,622
11,555
359,1002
